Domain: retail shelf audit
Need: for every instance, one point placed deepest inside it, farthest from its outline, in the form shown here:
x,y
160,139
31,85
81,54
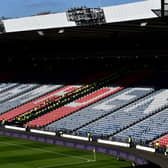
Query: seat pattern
x,y
19,104
87,100
128,115
163,140
148,129
6,86
72,107
15,91
98,109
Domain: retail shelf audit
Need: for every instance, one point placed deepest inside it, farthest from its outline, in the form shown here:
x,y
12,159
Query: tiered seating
x,y
148,129
46,103
57,93
163,140
83,102
99,109
35,103
15,91
6,86
20,100
71,107
129,115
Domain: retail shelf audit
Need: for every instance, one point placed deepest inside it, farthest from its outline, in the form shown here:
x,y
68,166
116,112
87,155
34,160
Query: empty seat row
x,y
148,129
84,101
15,91
71,107
11,114
22,100
99,109
128,115
6,86
163,140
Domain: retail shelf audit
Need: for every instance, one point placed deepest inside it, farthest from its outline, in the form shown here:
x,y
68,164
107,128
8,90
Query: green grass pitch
x,y
19,153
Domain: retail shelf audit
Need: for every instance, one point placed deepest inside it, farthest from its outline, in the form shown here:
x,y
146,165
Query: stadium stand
x,y
22,99
163,141
42,105
5,86
99,109
129,115
15,91
72,107
148,129
103,111
83,102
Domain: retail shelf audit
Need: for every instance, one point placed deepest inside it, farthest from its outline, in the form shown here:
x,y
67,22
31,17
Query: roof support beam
x,y
162,8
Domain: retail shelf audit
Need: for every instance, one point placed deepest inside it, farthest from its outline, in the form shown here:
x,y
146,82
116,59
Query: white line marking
x,y
56,165
47,151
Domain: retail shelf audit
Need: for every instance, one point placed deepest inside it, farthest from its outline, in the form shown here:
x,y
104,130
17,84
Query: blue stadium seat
x,y
99,109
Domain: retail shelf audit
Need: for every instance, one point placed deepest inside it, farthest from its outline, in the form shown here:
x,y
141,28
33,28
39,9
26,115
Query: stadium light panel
x,y
61,31
143,24
40,33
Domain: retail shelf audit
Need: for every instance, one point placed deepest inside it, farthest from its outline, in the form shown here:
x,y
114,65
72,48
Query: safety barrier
x,y
115,143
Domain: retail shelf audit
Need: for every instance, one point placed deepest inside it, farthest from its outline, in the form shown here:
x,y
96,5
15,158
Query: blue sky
x,y
21,8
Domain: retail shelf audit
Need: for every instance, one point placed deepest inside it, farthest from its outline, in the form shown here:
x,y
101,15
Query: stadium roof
x,y
112,14
94,31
